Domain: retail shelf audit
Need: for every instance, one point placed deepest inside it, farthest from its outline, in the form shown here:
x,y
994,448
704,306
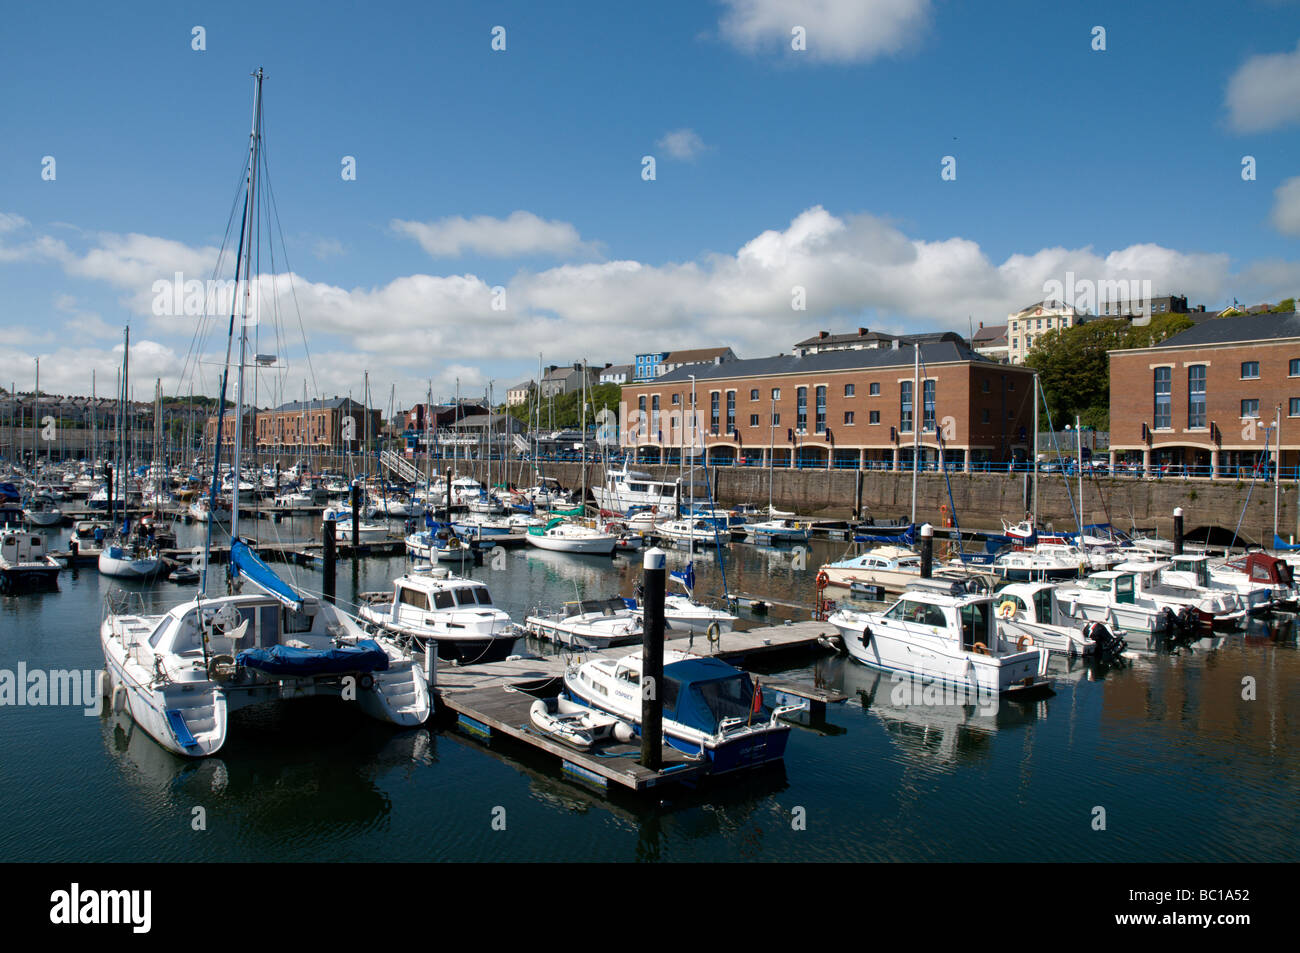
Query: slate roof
x,y
695,354
1235,330
937,352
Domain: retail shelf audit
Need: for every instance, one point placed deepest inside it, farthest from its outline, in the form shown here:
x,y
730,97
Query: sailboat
x,y
181,674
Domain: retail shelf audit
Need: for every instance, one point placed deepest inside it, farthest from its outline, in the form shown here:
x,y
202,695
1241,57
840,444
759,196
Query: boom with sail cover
x,y
244,562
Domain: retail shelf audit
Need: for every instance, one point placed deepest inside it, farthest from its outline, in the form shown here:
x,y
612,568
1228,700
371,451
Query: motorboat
x,y
560,535
694,530
201,510
456,614
948,633
181,674
588,624
1032,607
682,613
1021,565
710,708
1262,569
1211,608
25,563
42,511
577,725
439,544
626,488
1194,571
887,569
777,531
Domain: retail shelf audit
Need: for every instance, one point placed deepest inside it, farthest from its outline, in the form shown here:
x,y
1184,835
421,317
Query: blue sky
x,y
818,168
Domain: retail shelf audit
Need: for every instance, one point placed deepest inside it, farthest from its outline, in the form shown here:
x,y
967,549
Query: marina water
x,y
1164,760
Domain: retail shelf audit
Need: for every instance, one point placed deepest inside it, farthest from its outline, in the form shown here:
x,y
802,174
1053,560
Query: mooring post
x,y
430,663
356,517
446,505
857,495
927,551
652,660
109,470
1178,530
328,529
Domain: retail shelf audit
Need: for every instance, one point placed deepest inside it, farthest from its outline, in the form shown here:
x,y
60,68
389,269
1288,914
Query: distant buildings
x,y
565,379
1025,326
519,393
866,339
337,423
617,374
991,342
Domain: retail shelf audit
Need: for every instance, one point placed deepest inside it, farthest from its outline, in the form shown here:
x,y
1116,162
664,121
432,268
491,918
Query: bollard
x,y
927,551
109,470
356,517
1178,530
652,660
446,505
430,663
330,541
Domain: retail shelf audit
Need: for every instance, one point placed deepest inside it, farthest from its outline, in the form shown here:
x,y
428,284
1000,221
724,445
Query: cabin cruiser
x,y
889,569
456,614
777,531
1194,571
202,511
591,624
440,543
1262,569
1032,607
625,488
1021,565
88,537
181,674
683,613
710,708
693,530
946,633
559,535
24,561
1211,608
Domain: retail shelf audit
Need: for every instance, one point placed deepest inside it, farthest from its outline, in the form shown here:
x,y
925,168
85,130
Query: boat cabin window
x,y
1096,582
629,675
921,613
413,597
1043,605
483,596
443,599
975,624
464,596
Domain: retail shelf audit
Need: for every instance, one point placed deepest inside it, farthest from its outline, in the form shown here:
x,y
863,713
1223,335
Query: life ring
x,y
823,580
979,648
1007,609
1023,641
714,633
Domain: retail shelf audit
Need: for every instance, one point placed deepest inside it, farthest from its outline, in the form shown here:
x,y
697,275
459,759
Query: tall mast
x,y
249,225
1034,462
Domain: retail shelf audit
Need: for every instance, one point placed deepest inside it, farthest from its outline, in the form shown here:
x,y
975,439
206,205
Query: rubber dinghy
x,y
577,725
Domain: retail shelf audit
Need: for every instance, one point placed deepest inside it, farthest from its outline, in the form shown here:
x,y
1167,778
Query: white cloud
x,y
522,233
836,30
9,222
1264,93
1286,207
855,270
682,144
327,248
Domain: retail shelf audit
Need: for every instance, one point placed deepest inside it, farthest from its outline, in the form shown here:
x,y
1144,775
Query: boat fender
x,y
119,698
1007,609
714,633
865,638
624,732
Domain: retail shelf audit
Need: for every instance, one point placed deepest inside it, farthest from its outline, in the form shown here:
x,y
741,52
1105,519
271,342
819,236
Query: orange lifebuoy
x,y
979,648
823,580
1023,641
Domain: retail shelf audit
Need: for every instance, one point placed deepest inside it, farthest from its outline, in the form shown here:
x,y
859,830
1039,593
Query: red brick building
x,y
843,408
1210,398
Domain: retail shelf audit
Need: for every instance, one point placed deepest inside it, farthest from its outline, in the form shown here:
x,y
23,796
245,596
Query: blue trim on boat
x,y
181,730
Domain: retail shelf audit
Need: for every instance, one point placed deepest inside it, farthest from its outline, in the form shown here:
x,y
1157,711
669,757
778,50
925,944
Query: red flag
x,y
758,697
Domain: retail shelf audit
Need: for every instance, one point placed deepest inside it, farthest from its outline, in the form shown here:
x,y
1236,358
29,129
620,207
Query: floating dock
x,y
493,699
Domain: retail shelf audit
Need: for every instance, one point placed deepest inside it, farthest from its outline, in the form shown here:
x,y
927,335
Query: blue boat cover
x,y
905,537
245,562
1281,545
700,692
365,656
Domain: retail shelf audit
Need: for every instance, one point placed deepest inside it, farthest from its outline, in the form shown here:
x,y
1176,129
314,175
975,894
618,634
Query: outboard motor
x,y
1109,645
1186,622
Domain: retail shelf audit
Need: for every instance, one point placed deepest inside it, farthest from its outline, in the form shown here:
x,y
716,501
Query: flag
x,y
686,576
758,696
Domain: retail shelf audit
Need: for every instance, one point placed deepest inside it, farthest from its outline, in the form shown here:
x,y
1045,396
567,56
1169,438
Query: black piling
x,y
330,554
356,517
446,506
652,660
1178,530
109,471
927,551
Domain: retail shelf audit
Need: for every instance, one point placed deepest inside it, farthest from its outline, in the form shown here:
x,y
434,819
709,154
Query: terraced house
x,y
1211,399
843,408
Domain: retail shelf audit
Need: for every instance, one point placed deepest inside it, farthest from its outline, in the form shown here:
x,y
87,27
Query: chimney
x,y
822,335
981,325
862,332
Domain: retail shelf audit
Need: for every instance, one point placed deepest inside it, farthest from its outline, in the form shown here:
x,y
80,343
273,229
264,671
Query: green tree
x,y
1074,369
568,407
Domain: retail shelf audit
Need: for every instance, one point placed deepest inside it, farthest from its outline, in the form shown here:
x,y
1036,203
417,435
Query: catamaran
x,y
182,673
